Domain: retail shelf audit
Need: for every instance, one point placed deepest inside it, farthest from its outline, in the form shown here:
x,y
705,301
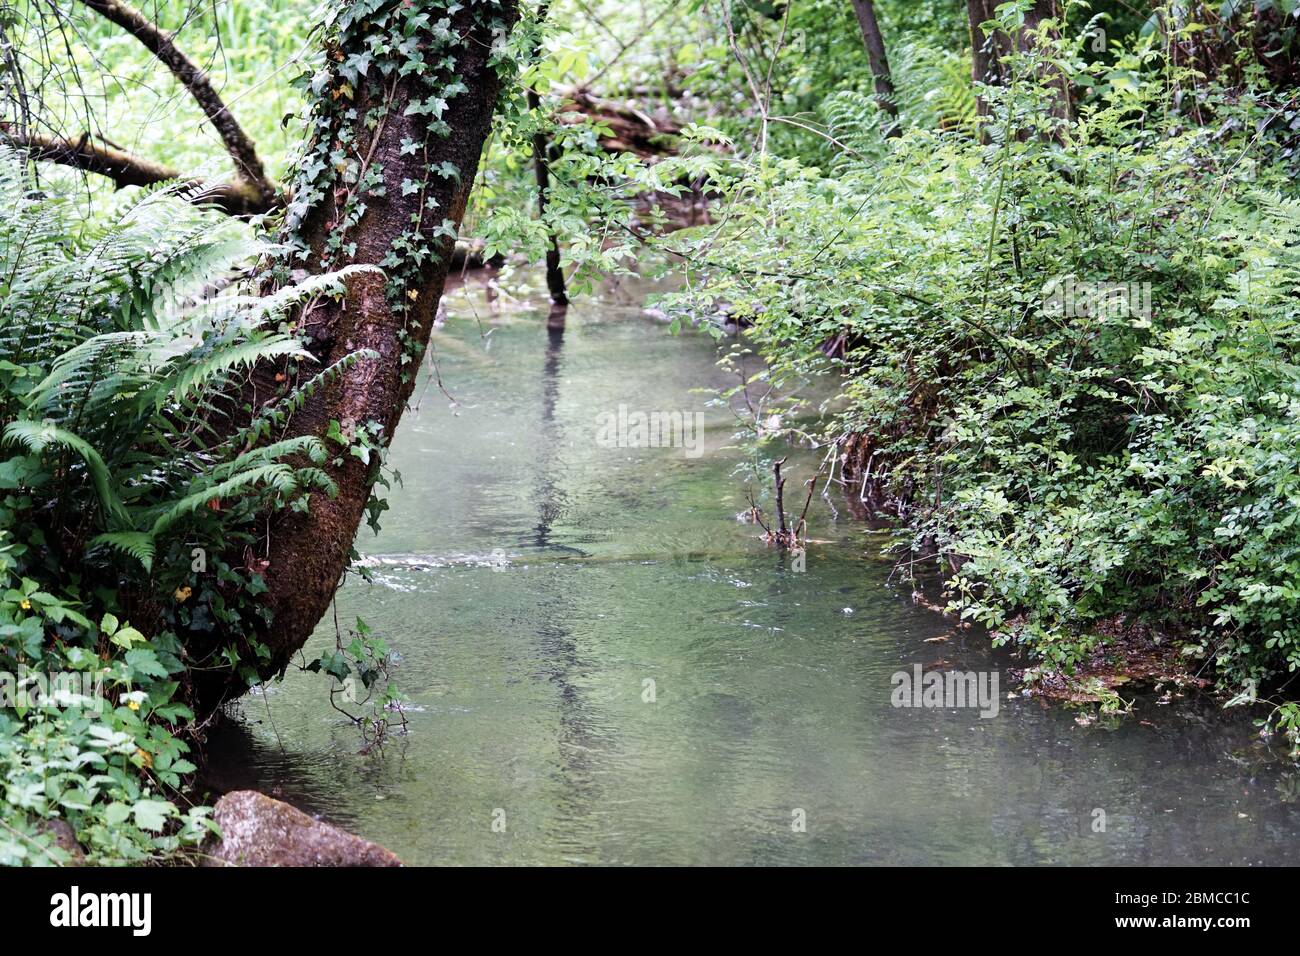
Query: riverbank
x,y
1123,654
593,646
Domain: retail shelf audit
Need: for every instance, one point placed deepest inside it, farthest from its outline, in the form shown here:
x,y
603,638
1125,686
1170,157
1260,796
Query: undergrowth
x,y
1067,348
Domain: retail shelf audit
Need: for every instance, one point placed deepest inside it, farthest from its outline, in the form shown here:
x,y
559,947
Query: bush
x,y
1076,462
124,492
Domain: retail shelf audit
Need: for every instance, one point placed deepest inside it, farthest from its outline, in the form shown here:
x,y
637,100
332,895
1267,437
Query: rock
x,y
65,838
259,831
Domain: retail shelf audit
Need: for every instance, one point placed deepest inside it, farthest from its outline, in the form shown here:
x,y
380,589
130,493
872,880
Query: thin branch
x,y
241,149
625,45
235,198
749,78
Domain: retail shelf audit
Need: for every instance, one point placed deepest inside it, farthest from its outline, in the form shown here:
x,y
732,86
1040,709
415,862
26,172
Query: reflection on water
x,y
598,654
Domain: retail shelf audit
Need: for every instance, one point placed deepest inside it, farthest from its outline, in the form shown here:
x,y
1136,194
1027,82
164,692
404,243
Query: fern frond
x,y
330,283
39,436
934,88
136,544
126,339
279,477
199,373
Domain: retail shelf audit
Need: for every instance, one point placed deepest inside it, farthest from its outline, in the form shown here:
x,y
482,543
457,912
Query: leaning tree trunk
x,y
874,41
383,182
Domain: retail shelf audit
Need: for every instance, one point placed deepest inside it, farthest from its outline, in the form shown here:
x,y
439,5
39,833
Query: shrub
x,y
1076,463
124,493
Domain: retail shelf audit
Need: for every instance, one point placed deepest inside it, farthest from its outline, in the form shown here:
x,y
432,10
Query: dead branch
x,y
780,499
631,130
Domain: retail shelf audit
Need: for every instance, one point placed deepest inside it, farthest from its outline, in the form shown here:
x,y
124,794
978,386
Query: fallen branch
x,y
632,131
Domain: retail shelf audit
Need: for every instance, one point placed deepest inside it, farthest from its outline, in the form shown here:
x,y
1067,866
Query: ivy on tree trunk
x,y
400,115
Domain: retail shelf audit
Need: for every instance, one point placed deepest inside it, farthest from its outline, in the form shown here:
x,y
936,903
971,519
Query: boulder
x,y
259,831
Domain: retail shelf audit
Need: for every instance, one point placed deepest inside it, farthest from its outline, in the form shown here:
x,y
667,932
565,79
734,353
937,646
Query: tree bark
x,y
874,41
391,315
235,198
985,49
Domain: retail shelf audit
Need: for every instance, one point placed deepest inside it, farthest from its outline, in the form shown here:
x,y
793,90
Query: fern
x,y
934,88
857,122
38,436
135,544
278,477
122,347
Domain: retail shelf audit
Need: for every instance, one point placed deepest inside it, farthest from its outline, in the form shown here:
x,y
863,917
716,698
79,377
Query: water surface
x,y
532,582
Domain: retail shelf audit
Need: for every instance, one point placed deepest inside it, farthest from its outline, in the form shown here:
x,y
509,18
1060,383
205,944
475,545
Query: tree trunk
x,y
542,173
391,191
874,41
985,50
541,156
988,51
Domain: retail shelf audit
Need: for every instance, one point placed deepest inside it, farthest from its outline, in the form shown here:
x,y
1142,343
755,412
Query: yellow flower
x,y
183,594
26,605
146,758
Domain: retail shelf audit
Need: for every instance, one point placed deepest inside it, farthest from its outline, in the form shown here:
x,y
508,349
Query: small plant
x,y
361,665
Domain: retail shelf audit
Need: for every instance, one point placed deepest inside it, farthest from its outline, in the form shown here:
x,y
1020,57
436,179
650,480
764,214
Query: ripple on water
x,y
641,680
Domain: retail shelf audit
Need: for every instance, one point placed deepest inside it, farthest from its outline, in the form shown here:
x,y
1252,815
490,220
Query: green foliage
x,y
125,344
1076,464
934,87
360,666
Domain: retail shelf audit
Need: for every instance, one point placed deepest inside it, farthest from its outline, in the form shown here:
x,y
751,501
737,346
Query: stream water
x,y
533,580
